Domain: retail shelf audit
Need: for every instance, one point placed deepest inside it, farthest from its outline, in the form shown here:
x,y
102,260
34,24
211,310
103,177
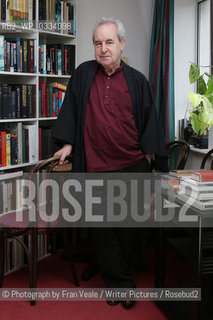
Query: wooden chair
x,y
50,165
207,157
182,148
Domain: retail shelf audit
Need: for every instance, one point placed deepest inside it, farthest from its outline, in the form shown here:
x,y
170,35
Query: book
x,y
12,103
30,101
1,53
26,137
24,55
202,176
3,148
59,85
23,145
203,205
182,173
46,143
8,152
174,185
43,66
195,185
4,101
0,148
32,138
24,101
14,143
19,142
18,90
30,55
0,100
196,194
16,42
42,85
9,89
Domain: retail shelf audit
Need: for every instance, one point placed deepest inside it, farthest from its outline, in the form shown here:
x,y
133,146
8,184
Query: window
x,y
204,34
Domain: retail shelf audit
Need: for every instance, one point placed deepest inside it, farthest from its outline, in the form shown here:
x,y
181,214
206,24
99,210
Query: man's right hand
x,y
63,153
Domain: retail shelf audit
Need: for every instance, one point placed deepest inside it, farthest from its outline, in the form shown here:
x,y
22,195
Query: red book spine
x,y
60,100
54,105
65,62
204,176
3,149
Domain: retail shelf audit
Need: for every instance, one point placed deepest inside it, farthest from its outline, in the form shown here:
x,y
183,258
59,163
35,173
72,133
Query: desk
x,y
196,246
195,158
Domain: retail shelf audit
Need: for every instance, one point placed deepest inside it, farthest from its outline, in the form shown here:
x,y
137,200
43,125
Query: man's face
x,y
108,48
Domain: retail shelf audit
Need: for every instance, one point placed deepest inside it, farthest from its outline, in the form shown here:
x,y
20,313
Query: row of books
x,y
56,59
10,193
18,54
17,10
194,187
57,16
46,146
15,257
17,101
18,144
50,98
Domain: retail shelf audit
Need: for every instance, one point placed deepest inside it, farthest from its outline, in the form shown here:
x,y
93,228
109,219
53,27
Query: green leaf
x,y
209,87
201,85
194,72
210,97
197,122
207,114
195,99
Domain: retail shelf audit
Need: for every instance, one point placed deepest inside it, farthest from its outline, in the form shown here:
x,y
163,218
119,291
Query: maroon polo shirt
x,y
110,136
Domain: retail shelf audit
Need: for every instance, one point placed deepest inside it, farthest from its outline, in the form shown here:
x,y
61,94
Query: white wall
x,y
185,52
136,16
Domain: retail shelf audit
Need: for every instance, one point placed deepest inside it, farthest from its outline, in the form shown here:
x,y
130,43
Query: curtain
x,y
161,69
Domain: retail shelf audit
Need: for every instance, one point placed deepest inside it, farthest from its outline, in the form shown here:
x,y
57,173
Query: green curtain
x,y
161,69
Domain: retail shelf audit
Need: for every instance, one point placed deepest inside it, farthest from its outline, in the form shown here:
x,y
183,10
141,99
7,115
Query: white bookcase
x,y
31,28
15,29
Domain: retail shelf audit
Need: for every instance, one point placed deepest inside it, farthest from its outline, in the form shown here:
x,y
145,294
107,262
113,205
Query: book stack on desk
x,y
172,179
197,191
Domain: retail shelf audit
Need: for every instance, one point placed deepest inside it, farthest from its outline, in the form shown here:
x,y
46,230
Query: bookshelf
x,y
37,56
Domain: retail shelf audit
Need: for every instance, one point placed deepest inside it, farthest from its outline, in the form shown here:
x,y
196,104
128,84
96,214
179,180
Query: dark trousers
x,y
116,247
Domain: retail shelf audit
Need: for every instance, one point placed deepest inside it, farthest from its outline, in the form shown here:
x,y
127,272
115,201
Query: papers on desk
x,y
203,205
192,193
196,194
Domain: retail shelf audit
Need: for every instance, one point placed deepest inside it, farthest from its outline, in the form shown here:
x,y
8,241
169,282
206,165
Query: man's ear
x,y
122,44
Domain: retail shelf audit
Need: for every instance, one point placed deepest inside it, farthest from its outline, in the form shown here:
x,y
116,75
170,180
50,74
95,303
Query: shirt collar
x,y
116,71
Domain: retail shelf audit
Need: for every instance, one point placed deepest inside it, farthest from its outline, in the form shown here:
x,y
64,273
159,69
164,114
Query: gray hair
x,y
116,22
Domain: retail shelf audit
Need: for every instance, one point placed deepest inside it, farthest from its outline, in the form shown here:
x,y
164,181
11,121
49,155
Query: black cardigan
x,y
69,127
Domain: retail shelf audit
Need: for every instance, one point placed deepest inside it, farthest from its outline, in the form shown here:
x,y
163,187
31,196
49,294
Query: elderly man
x,y
108,120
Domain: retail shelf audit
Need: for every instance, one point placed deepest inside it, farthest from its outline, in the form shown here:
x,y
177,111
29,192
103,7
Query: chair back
x,y
183,148
52,165
207,156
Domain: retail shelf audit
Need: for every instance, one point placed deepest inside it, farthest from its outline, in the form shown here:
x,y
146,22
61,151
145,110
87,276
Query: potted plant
x,y
201,112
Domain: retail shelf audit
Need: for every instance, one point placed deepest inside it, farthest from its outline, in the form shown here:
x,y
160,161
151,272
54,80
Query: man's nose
x,y
103,47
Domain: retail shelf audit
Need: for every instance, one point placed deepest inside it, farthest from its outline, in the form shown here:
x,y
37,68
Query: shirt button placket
x,y
106,96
